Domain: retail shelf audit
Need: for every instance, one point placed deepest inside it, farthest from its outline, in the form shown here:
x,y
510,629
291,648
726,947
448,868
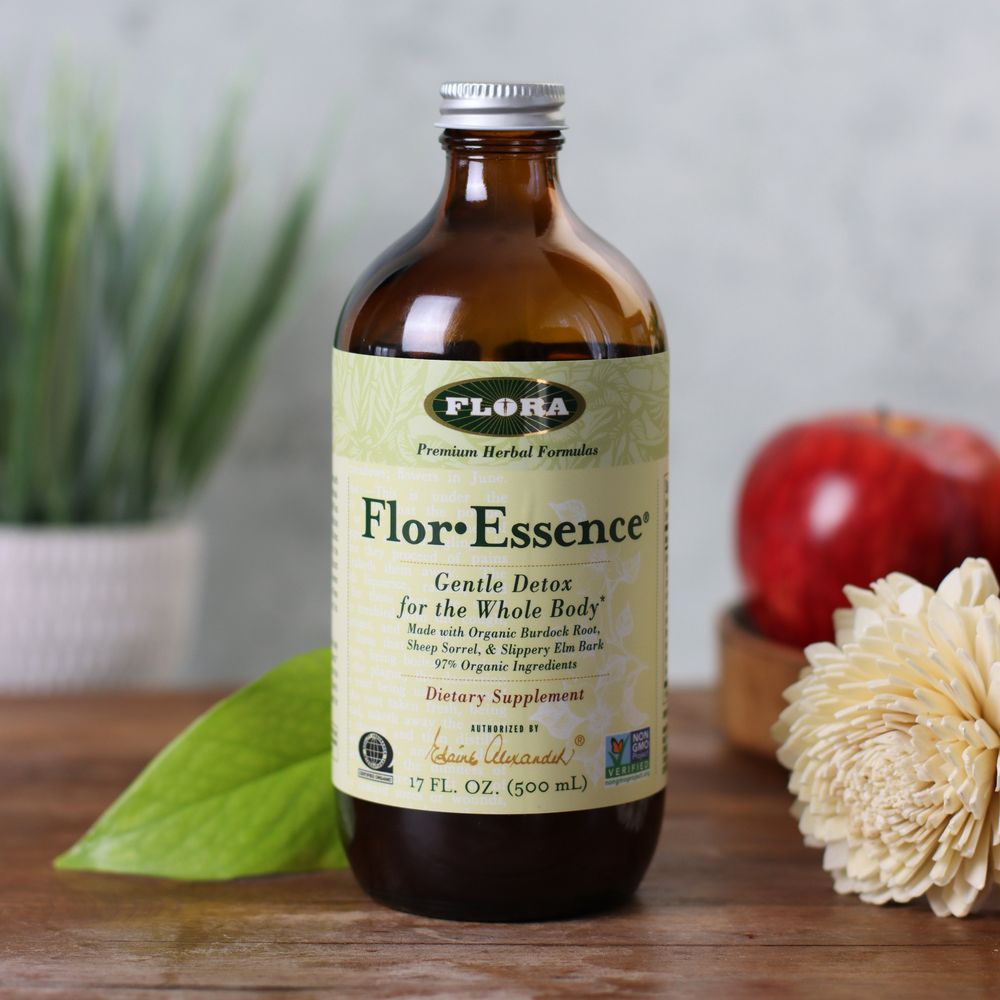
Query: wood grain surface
x,y
733,906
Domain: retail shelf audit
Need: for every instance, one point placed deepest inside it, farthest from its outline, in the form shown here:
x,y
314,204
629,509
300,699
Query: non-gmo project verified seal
x,y
626,756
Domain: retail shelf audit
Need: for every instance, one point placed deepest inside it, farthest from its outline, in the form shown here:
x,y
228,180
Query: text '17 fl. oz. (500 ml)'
x,y
499,542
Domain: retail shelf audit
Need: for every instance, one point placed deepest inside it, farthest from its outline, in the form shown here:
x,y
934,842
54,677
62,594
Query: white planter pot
x,y
91,607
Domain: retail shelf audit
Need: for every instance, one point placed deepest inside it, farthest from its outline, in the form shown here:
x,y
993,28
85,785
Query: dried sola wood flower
x,y
891,737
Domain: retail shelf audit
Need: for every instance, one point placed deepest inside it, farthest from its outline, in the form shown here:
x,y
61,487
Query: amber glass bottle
x,y
500,542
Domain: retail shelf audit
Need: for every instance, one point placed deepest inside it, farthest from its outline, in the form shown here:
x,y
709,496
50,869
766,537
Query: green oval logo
x,y
505,406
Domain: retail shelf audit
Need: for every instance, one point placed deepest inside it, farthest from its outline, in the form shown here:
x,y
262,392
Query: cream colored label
x,y
499,582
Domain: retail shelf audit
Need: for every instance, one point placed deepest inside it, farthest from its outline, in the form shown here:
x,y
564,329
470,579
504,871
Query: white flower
x,y
891,737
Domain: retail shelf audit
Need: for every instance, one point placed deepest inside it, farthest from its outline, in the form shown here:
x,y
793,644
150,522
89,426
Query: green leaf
x,y
163,317
244,790
125,360
230,366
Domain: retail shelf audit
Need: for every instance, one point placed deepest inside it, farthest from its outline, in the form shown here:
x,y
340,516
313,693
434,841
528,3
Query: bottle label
x,y
499,582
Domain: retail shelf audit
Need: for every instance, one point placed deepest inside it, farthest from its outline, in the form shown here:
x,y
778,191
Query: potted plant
x,y
124,362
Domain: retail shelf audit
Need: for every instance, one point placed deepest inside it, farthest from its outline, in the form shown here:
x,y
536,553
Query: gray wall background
x,y
811,188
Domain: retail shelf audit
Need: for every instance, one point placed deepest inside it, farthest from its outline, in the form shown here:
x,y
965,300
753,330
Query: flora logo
x,y
505,406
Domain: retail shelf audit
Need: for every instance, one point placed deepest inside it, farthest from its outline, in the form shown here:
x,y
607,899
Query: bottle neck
x,y
503,178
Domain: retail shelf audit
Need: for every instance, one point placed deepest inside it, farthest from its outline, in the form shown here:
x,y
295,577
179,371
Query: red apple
x,y
850,498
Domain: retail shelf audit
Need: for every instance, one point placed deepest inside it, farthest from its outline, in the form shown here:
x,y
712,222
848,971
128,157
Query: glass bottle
x,y
501,274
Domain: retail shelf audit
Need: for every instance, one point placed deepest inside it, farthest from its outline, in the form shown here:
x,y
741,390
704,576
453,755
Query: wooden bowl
x,y
754,671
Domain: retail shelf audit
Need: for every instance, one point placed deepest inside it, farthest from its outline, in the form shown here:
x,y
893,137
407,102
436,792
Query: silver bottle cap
x,y
502,106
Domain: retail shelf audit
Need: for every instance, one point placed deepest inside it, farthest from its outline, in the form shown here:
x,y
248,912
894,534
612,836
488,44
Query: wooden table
x,y
734,904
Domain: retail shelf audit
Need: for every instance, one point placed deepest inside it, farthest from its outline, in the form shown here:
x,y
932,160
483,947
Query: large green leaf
x,y
244,790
